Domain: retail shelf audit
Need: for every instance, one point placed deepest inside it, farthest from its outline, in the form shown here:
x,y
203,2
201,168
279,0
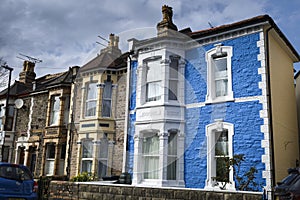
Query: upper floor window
x,y
106,99
91,100
219,78
153,80
66,109
173,78
219,148
55,108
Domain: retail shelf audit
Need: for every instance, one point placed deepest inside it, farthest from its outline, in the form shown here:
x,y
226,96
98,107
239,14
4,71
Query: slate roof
x,y
47,81
242,24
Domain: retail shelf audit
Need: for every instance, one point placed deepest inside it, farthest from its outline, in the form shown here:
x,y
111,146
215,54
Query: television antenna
x,y
29,58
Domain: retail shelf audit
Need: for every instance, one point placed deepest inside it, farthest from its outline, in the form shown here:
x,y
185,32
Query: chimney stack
x,y
113,45
28,75
166,24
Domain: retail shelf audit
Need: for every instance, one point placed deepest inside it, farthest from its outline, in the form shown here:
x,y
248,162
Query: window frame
x,y
156,83
211,131
88,159
107,98
55,112
173,92
91,100
104,159
216,53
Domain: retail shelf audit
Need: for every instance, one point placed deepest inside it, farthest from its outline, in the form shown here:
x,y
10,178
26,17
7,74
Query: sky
x,y
64,33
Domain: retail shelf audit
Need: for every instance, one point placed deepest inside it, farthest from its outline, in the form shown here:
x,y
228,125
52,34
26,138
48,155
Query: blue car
x,y
16,182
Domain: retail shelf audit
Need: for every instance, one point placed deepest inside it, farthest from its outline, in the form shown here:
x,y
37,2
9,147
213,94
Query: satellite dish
x,y
19,103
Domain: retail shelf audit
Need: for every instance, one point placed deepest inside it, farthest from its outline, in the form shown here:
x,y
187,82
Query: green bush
x,y
84,177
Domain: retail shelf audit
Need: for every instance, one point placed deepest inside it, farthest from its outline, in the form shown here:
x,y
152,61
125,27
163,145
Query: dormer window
x,y
219,78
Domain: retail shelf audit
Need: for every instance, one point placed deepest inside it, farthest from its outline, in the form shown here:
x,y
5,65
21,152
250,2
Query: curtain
x,y
151,157
55,109
221,76
172,156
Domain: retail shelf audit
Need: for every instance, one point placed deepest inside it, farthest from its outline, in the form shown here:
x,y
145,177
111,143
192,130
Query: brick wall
x,y
82,191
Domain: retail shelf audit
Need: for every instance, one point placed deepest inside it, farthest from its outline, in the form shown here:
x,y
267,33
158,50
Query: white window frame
x,y
211,130
219,51
92,100
107,98
104,160
55,112
173,79
50,161
155,84
88,159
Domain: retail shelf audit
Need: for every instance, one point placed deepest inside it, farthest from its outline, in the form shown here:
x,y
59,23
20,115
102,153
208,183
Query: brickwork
x,y
81,191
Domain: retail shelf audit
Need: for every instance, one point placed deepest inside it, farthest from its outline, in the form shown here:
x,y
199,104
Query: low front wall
x,y
102,191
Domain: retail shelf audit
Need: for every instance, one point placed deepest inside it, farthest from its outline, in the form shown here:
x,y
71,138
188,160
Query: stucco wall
x,y
284,110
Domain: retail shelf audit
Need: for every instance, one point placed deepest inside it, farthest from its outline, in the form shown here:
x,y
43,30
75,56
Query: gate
x,y
44,187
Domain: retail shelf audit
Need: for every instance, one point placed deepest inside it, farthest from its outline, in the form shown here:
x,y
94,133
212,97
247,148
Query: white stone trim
x,y
264,113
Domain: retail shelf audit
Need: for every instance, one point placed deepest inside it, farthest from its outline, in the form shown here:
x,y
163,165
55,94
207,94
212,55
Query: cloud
x,y
64,33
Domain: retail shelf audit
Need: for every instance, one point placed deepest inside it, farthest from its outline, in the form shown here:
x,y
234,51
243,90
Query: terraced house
x,y
98,106
199,98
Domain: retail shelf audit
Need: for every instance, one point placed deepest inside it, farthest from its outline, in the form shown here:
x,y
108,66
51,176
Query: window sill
x,y
219,100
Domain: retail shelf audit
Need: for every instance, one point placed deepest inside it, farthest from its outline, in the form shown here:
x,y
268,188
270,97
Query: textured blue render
x,y
245,77
243,115
246,139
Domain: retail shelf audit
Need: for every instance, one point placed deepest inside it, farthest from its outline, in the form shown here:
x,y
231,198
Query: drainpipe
x,y
273,183
126,125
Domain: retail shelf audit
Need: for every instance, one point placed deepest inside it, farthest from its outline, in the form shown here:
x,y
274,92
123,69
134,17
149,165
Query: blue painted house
x,y
199,98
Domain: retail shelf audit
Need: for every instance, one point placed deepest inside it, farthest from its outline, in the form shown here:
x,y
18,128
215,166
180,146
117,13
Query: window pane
x,y
86,166
102,168
107,90
222,171
92,91
172,156
55,107
153,91
87,149
50,151
221,76
103,149
221,148
151,157
173,89
174,69
221,87
63,151
154,71
106,108
90,108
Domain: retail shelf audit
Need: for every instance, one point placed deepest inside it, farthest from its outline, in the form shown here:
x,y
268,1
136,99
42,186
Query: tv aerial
x,y
29,58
